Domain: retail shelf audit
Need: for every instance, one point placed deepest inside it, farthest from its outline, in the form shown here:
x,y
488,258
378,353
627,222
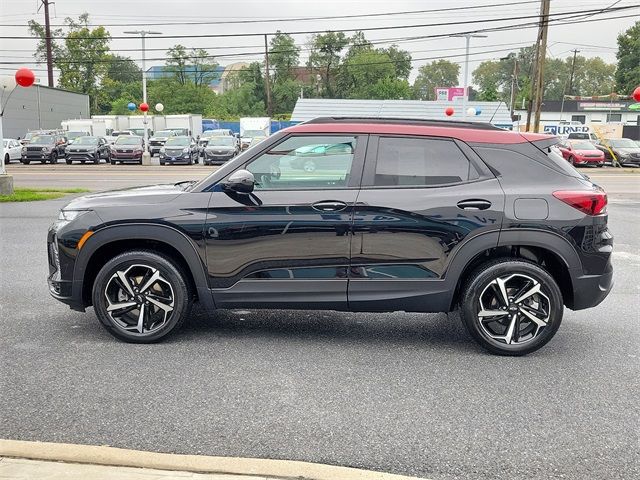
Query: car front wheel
x,y
141,296
511,307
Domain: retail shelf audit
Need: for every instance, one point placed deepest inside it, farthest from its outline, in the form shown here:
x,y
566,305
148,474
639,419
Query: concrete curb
x,y
99,455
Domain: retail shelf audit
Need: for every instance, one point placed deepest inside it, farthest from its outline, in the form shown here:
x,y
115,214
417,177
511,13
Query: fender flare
x,y
144,231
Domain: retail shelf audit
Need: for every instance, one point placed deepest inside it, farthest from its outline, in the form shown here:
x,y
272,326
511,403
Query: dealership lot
x,y
402,393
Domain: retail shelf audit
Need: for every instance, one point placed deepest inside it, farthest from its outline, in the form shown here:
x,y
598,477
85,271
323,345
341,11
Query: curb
x,y
119,457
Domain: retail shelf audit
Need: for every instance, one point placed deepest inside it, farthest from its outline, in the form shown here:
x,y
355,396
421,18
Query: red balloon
x,y
448,111
144,107
636,94
25,77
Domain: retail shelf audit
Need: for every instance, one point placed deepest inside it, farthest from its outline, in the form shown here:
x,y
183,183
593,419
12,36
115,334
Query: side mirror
x,y
240,181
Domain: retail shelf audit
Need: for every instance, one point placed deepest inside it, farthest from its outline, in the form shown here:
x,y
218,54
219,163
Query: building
x,y
40,107
229,77
163,71
496,113
588,111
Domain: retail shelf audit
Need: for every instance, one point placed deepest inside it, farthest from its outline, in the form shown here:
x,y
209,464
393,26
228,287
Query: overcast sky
x,y
592,39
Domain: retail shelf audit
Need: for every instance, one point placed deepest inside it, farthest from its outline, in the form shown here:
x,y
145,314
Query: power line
x,y
298,19
367,29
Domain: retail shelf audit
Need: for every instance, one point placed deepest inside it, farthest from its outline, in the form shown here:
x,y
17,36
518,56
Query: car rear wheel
x,y
7,159
25,162
572,161
141,296
511,307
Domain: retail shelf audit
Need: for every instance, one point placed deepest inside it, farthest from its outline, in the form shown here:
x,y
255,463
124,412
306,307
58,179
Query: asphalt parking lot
x,y
401,393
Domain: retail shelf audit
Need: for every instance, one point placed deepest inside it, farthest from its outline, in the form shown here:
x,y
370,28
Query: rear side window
x,y
421,162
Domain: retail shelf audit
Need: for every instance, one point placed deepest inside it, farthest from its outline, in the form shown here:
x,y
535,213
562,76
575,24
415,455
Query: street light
x,y
465,97
146,157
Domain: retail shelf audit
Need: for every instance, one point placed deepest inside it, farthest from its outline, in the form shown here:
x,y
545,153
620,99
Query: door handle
x,y
474,204
329,206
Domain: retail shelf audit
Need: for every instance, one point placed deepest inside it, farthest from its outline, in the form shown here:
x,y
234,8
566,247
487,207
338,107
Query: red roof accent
x,y
465,134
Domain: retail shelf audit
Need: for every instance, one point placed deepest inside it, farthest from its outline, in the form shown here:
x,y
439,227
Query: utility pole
x,y
465,96
544,28
47,40
146,157
267,84
573,67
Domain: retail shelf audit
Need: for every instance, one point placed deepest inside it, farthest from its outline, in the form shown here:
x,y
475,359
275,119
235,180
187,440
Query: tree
x,y
284,55
177,63
324,57
82,56
493,78
628,55
439,73
195,66
122,69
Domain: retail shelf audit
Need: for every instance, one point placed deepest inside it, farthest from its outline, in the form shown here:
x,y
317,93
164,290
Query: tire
x,y
25,162
481,293
309,166
96,159
54,158
572,161
69,162
7,159
161,162
82,162
172,290
112,161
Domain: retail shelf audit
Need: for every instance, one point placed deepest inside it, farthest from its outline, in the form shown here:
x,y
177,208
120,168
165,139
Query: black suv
x,y
419,216
44,148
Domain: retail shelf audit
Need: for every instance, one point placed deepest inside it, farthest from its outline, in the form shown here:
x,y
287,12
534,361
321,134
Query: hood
x,y
220,147
152,194
31,144
588,152
627,151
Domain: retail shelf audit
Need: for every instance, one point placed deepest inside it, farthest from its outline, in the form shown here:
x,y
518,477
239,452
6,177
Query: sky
x,y
196,17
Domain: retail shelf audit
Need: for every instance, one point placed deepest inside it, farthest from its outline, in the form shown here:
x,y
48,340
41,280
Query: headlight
x,y
45,149
162,150
70,215
24,149
185,150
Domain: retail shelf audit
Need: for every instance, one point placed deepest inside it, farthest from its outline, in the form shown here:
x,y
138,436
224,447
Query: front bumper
x,y
629,160
210,157
182,158
589,160
81,156
126,156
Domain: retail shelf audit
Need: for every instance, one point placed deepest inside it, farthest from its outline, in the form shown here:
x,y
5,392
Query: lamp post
x,y
465,97
146,156
25,78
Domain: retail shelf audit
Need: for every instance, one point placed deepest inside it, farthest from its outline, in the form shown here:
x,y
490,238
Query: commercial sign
x,y
602,106
556,129
449,93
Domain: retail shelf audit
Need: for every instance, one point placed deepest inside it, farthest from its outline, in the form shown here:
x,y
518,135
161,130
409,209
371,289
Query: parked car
x,y
72,136
626,150
590,136
12,150
44,148
427,216
127,148
158,140
637,142
322,156
111,139
140,132
220,149
88,149
581,152
29,135
182,149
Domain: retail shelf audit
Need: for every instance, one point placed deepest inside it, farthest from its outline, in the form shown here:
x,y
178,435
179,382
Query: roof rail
x,y
406,121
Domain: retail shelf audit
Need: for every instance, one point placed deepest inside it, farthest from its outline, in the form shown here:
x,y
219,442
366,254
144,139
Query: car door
x,y
287,243
421,199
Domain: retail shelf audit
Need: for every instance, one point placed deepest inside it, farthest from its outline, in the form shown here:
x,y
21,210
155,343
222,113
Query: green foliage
x,y
195,66
439,73
628,55
324,58
488,94
81,57
122,69
284,55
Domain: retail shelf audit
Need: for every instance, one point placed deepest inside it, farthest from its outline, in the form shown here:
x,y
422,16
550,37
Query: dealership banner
x,y
449,93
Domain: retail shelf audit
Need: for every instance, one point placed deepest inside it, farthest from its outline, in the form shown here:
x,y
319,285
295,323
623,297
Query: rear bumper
x,y
591,290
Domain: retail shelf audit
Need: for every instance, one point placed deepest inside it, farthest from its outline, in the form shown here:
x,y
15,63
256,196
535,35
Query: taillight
x,y
590,202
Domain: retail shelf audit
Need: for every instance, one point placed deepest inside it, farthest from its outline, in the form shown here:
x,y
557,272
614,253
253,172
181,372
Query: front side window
x,y
419,162
305,162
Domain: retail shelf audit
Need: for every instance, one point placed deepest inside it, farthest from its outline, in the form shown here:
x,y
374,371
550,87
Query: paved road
x,y
402,393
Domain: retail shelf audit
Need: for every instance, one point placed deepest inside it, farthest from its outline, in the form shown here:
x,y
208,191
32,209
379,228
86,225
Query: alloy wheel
x,y
139,299
513,309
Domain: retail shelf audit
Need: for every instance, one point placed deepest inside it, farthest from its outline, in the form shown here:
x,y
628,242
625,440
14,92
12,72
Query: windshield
x,y
178,142
225,140
87,141
116,133
164,133
28,136
129,140
583,146
73,135
253,133
622,143
42,139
